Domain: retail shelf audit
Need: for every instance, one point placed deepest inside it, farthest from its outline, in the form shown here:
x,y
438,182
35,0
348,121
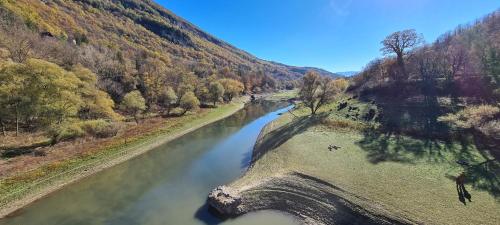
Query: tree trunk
x,y
169,107
3,128
401,64
215,102
136,119
17,121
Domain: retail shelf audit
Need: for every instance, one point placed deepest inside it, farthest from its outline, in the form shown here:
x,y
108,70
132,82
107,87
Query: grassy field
x,y
411,177
24,187
283,95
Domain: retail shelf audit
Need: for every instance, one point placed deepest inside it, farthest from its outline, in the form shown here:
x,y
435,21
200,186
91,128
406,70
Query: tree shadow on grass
x,y
383,147
279,136
484,176
481,174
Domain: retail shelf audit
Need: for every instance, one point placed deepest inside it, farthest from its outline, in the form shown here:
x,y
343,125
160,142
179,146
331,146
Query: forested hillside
x,y
435,89
126,31
67,61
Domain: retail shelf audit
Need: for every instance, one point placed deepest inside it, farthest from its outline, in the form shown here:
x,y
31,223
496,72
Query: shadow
x,y
282,134
484,176
387,147
461,191
208,216
383,147
11,152
410,131
246,160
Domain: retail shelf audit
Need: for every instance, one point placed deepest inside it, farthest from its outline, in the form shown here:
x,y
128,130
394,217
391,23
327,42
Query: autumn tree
x,y
399,43
167,99
232,88
202,93
186,82
134,103
317,91
39,92
151,79
189,102
96,103
216,91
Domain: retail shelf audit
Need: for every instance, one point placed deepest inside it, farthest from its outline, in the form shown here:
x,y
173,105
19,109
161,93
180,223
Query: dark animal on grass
x,y
333,147
341,106
462,192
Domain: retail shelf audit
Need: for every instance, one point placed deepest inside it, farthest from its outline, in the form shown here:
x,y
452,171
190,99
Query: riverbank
x,y
27,187
368,178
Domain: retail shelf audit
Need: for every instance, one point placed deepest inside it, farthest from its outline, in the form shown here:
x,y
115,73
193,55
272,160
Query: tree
x,y
19,42
184,82
134,103
399,42
167,99
232,88
202,93
216,91
151,79
39,92
96,103
189,102
317,91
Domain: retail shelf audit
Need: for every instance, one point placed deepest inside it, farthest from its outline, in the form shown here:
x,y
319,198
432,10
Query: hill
x,y
130,27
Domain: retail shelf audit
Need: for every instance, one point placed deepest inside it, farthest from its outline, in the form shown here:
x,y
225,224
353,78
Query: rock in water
x,y
225,201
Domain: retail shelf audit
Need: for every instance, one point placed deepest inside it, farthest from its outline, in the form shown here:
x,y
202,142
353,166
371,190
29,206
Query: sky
x,y
336,35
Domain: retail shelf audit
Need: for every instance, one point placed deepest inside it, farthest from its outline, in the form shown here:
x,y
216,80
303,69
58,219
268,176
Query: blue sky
x,y
337,35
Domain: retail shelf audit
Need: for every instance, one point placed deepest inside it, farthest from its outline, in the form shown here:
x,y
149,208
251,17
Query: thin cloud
x,y
340,7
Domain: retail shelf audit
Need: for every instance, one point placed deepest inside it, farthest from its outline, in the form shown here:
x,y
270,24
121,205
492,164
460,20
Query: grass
x,y
31,182
283,95
413,177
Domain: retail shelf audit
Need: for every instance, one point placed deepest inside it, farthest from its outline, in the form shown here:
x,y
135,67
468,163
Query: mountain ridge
x,y
130,25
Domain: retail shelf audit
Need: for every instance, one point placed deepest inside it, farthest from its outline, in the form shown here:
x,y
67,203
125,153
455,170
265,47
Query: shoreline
x,y
308,199
50,185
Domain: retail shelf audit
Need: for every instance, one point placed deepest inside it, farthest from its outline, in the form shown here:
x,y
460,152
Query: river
x,y
167,185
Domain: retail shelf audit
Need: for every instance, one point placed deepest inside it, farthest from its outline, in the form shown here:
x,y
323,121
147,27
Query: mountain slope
x,y
131,25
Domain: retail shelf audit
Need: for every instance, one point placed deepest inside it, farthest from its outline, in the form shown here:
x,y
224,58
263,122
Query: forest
x,y
72,87
438,89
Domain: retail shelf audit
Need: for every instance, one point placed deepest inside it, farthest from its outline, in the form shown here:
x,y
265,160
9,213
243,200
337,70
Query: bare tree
x,y
317,91
399,43
20,48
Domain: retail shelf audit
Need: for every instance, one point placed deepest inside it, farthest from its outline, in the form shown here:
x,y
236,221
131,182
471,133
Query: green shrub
x,y
74,129
99,128
66,131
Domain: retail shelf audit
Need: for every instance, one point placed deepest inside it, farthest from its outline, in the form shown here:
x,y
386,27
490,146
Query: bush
x,y
471,116
100,128
76,129
66,131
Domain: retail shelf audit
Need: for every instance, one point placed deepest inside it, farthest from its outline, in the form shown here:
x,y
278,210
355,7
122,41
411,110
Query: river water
x,y
165,186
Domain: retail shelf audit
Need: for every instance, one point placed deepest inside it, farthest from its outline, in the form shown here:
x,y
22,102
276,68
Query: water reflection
x,y
165,186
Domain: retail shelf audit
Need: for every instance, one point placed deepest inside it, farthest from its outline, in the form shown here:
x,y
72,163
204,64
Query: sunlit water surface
x,y
167,185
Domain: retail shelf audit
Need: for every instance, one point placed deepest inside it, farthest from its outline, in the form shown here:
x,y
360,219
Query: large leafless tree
x,y
399,43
